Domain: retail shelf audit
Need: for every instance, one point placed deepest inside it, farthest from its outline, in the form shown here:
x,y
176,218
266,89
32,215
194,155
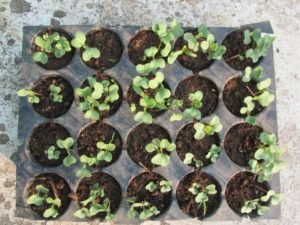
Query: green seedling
x,y
56,93
79,41
97,96
256,204
266,160
202,194
53,153
158,55
85,161
212,127
213,153
164,186
53,43
142,209
190,158
30,94
42,197
160,147
94,204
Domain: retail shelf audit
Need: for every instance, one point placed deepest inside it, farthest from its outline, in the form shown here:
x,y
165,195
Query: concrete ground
x,y
285,19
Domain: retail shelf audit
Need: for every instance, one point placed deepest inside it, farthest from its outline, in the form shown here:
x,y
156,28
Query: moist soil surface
x,y
53,62
142,40
44,136
243,187
234,43
112,191
137,188
186,200
241,142
185,143
46,107
197,63
234,93
95,132
137,140
109,45
113,106
198,83
55,184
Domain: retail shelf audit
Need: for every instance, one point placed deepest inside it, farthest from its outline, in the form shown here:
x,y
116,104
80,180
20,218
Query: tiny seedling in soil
x,y
53,43
88,53
164,186
41,198
53,153
97,96
262,96
213,153
32,97
266,160
202,194
256,204
207,129
157,55
190,158
160,147
94,204
143,209
56,93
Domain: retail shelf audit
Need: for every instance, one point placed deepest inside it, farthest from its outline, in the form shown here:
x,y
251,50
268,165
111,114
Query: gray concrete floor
x,y
285,19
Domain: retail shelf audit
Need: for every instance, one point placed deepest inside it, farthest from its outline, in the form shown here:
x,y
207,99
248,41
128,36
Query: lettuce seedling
x,y
53,43
164,186
266,160
79,41
160,147
190,158
56,93
53,153
106,150
32,97
202,194
256,204
97,96
212,127
157,55
85,161
94,204
213,153
41,197
143,209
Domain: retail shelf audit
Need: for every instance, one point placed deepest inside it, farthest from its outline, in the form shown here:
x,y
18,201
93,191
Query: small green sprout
x,y
143,209
53,153
202,194
31,95
190,158
97,96
105,150
92,206
79,41
164,186
207,129
262,96
213,153
256,204
53,43
157,55
85,161
266,160
160,147
41,198
56,93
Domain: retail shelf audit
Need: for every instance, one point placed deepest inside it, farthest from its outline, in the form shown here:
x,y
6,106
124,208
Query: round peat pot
x,y
198,83
48,106
53,63
57,188
109,45
241,142
142,40
113,106
97,183
44,136
194,64
187,200
186,143
96,132
137,189
139,137
234,43
242,187
234,93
